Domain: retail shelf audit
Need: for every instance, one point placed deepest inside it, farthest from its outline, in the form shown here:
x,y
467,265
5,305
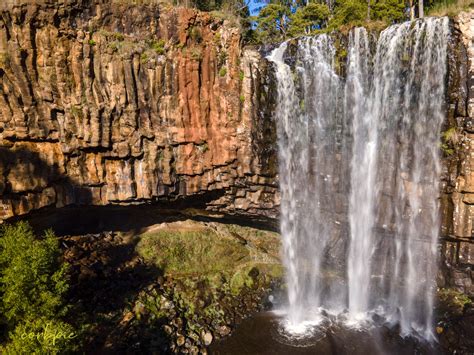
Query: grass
x,y
229,256
191,252
450,8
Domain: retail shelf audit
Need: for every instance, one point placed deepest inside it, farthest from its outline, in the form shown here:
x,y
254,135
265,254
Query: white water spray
x,y
364,150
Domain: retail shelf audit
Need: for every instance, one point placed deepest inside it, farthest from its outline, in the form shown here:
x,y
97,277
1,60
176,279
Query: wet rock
x,y
180,340
206,338
177,322
188,343
168,330
223,330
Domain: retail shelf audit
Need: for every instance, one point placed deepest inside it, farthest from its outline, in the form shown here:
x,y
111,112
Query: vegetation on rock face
x,y
453,302
451,140
33,283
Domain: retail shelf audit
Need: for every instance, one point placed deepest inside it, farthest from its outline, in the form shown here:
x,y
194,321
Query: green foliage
x,y
283,19
453,301
239,280
114,46
388,11
92,42
119,36
308,18
222,71
144,58
222,58
32,278
349,12
33,282
450,141
158,46
451,135
272,23
41,336
195,34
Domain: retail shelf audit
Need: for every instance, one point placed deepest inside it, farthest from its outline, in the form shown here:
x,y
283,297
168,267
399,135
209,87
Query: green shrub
x,y
222,72
32,278
195,34
222,58
119,36
453,301
33,282
144,58
41,337
158,46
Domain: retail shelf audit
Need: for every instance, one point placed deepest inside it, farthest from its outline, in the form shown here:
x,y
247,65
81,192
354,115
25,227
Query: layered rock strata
x,y
107,103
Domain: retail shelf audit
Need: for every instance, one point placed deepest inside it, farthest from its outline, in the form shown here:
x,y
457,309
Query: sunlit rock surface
x,y
105,103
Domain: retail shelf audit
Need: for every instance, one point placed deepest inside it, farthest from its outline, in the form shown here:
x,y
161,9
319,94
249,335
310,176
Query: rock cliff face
x,y
458,182
107,103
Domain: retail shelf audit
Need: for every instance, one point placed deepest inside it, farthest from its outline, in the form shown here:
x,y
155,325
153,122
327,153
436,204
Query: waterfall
x,y
363,172
307,129
359,174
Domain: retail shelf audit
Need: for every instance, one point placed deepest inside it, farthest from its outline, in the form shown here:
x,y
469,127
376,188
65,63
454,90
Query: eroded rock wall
x,y
107,103
458,181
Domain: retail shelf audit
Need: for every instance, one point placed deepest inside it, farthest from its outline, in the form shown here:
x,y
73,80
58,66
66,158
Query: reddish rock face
x,y
111,103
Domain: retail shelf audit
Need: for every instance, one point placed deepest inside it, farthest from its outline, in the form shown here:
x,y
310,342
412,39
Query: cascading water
x,y
359,172
307,132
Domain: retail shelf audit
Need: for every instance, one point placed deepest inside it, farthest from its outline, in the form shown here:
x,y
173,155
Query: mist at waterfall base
x,y
359,166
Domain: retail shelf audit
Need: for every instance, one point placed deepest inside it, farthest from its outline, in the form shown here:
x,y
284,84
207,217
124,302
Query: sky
x,y
255,6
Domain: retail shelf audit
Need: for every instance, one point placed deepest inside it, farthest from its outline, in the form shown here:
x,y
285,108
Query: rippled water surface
x,y
265,334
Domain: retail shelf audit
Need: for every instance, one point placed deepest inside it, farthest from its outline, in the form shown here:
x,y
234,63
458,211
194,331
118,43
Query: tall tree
x,y
421,13
412,10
